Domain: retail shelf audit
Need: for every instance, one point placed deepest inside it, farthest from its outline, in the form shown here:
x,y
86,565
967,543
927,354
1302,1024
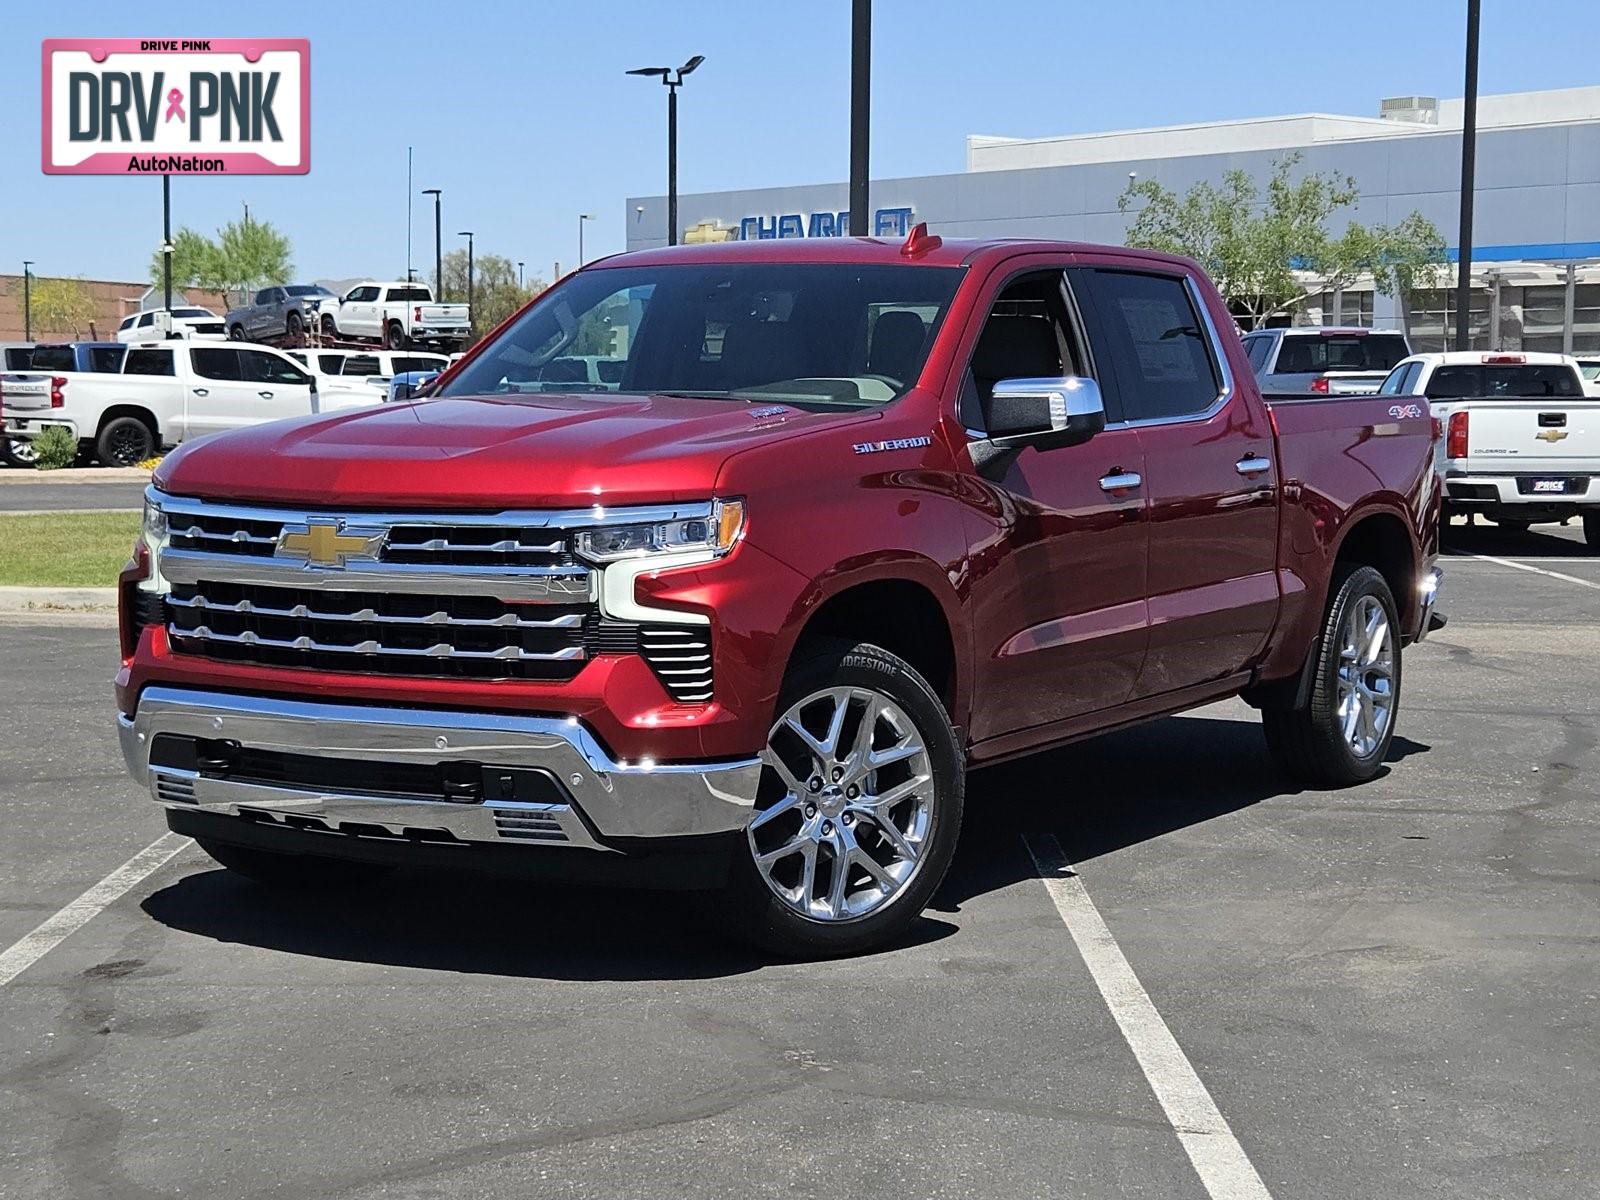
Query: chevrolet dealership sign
x,y
213,106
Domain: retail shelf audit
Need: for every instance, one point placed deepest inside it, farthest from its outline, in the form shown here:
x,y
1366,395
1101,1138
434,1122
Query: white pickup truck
x,y
166,393
1520,443
400,315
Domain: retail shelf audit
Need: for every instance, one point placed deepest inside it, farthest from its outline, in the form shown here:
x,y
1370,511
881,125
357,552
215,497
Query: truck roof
x,y
1493,358
930,252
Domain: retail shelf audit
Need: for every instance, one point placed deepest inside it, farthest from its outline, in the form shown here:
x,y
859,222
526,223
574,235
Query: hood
x,y
488,452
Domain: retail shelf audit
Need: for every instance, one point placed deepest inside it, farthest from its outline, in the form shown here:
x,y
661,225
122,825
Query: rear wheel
x,y
294,325
396,337
18,453
1343,733
124,442
859,809
236,333
303,871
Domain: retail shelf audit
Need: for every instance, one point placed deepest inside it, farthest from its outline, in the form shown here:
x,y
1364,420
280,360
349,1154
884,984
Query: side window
x,y
362,364
260,367
216,363
1028,334
1157,345
1394,384
148,362
330,364
105,358
127,322
1256,348
418,364
264,296
146,320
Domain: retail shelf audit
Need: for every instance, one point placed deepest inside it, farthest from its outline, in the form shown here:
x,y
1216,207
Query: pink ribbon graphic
x,y
175,106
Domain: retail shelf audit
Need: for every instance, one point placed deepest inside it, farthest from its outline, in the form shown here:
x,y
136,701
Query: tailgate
x,y
1531,435
1355,383
444,314
24,393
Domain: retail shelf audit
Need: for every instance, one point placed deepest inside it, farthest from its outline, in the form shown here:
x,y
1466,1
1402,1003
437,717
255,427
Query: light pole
x,y
519,274
860,111
166,243
27,300
438,242
1469,155
673,81
472,313
582,217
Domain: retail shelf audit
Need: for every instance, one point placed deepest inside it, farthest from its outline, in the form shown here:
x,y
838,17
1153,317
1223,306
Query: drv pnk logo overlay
x,y
158,106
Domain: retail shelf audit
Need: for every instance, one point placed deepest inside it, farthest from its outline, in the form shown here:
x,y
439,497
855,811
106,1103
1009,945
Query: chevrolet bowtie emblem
x,y
1551,435
329,544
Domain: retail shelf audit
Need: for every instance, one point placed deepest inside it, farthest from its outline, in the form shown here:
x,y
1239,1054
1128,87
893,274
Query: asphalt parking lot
x,y
1387,991
41,496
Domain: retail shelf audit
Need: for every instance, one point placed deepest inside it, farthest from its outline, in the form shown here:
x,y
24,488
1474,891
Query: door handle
x,y
265,395
1120,481
202,391
1253,464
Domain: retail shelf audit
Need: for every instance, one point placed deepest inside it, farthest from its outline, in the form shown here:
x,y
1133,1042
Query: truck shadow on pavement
x,y
1111,792
1542,541
1095,798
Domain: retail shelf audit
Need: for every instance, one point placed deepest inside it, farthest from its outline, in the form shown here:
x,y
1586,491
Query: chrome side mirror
x,y
1045,412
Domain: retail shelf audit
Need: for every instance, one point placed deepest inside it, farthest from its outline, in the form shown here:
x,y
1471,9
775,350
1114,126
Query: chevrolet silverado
x,y
851,517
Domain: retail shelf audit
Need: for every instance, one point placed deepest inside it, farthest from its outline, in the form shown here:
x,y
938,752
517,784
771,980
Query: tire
x,y
236,333
772,898
395,336
1591,531
294,325
1311,743
306,872
124,442
18,453
329,327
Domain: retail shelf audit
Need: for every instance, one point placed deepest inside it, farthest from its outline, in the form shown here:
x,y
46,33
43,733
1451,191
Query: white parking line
x,y
17,958
1224,1169
1507,562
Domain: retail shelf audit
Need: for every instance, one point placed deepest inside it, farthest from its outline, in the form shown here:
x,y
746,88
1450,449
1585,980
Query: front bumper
x,y
581,798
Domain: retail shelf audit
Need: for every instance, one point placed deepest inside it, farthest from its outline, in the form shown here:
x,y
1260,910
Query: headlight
x,y
715,532
155,521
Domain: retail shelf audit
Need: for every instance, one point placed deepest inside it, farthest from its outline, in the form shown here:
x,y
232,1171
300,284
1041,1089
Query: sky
x,y
521,111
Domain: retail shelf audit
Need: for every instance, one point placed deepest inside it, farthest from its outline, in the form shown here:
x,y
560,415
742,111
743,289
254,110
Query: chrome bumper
x,y
608,799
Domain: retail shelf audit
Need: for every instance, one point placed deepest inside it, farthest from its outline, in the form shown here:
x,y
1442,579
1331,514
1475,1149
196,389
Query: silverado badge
x,y
1551,435
328,543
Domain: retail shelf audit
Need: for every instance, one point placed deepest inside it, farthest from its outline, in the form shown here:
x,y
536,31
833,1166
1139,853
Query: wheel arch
x,y
900,608
138,412
1379,537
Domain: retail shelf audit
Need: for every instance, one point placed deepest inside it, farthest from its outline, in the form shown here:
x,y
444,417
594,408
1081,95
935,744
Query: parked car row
x,y
397,314
127,402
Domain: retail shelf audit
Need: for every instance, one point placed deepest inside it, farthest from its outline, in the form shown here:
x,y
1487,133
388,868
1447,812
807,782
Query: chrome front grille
x,y
531,823
400,633
681,656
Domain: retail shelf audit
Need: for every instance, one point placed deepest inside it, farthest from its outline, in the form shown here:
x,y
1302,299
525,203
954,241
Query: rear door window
x,y
362,364
148,362
54,358
260,367
219,363
105,358
330,364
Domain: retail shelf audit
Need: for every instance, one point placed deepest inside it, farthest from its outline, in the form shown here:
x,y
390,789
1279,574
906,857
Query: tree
x,y
62,306
244,255
1268,256
495,294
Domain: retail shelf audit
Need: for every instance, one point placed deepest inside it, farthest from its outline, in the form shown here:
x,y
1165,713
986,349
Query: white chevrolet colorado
x,y
1520,442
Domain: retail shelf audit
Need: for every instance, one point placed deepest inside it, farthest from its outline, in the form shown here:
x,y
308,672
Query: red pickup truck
x,y
844,518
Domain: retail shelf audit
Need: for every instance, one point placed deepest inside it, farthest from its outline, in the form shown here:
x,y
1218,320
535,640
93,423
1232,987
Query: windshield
x,y
204,314
815,335
301,289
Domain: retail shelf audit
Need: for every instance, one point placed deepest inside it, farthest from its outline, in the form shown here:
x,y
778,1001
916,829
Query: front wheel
x,y
292,871
294,325
330,328
236,333
1343,733
859,809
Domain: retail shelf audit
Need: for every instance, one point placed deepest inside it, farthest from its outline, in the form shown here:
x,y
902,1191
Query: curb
x,y
25,476
57,601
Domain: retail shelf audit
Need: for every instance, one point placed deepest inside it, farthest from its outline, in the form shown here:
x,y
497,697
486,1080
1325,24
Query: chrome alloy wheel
x,y
850,830
1366,676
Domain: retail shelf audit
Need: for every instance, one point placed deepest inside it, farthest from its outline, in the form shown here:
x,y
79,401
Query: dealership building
x,y
1536,232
